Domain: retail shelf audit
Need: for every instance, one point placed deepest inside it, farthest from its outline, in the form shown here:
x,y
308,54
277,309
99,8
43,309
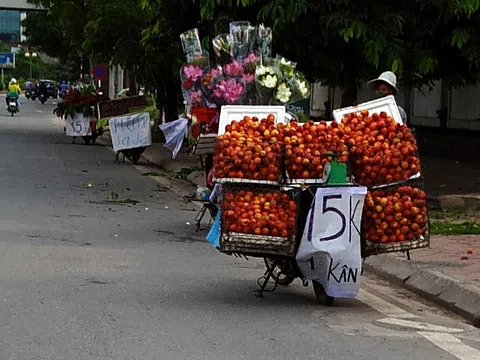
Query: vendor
x,y
386,84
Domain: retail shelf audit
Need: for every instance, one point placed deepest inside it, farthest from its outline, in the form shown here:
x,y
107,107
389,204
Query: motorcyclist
x,y
42,89
13,92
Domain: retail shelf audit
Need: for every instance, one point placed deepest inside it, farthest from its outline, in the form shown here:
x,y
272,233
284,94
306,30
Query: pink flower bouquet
x,y
233,69
229,91
191,72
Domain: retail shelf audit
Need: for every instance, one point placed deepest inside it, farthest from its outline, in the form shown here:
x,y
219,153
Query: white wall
x,y
464,104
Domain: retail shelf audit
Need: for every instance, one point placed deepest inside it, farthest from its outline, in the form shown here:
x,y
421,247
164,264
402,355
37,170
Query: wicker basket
x,y
373,247
252,244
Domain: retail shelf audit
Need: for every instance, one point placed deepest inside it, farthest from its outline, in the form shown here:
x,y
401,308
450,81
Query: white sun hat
x,y
387,77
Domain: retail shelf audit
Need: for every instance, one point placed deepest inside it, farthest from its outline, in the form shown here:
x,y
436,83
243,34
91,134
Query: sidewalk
x,y
444,273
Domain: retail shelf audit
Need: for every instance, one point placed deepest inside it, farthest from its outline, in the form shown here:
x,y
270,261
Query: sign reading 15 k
x,y
336,215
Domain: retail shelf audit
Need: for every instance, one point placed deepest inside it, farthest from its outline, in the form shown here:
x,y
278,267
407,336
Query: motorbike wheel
x,y
87,140
283,274
11,112
321,295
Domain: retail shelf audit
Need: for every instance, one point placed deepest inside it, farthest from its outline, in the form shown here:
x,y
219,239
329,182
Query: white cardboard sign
x,y
387,104
228,113
129,132
330,250
78,125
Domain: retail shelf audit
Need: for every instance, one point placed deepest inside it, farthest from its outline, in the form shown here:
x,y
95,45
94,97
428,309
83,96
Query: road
x,y
85,277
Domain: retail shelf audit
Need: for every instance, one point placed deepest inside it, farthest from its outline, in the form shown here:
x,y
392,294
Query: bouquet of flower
x,y
251,62
209,80
243,38
264,41
233,69
222,47
191,44
300,86
229,91
285,66
267,78
79,102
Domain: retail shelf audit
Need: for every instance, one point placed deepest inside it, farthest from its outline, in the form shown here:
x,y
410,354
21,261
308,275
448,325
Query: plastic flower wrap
x,y
191,44
222,47
233,69
243,39
201,60
264,41
229,91
285,66
300,86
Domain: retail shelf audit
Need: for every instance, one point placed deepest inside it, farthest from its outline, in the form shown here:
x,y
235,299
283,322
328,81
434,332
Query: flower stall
x,y
78,111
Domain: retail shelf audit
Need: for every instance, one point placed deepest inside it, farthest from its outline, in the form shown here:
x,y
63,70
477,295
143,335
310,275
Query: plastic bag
x,y
213,235
329,250
175,132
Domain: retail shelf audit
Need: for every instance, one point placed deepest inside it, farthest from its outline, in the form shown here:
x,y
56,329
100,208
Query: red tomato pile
x,y
395,215
306,145
259,212
383,150
249,149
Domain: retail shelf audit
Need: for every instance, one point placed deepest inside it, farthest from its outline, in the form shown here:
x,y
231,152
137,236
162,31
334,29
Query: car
x,y
52,90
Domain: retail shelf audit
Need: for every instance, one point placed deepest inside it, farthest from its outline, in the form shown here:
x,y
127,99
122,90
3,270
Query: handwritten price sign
x,y
78,126
129,132
330,250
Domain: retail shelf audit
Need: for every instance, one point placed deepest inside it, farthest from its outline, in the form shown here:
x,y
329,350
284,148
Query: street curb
x,y
446,291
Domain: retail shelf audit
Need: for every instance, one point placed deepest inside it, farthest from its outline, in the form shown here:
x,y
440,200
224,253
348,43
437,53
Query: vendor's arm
x,y
403,115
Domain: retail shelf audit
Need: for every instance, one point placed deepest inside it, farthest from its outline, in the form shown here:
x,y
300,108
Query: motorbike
x,y
131,154
43,98
28,93
12,106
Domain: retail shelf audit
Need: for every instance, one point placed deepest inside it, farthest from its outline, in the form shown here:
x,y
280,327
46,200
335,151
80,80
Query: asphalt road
x,y
83,277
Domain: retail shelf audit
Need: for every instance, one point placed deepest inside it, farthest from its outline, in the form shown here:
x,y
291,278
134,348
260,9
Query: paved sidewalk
x,y
445,273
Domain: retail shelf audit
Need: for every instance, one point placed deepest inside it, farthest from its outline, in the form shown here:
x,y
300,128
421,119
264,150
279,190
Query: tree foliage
x,y
348,40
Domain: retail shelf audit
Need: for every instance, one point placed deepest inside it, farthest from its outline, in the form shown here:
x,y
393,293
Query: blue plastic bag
x,y
213,235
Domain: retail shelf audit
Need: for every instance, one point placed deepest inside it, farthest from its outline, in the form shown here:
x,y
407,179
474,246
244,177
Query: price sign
x,y
330,250
78,125
129,132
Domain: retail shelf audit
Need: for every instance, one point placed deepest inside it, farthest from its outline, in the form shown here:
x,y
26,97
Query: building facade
x,y
10,26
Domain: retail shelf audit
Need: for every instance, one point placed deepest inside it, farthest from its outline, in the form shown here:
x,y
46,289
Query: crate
x,y
246,236
408,221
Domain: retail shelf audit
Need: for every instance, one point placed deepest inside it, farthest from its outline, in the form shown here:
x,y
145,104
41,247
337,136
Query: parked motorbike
x,y
131,154
12,106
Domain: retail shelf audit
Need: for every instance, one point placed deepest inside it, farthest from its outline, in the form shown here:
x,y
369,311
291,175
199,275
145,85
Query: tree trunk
x,y
160,104
132,81
171,101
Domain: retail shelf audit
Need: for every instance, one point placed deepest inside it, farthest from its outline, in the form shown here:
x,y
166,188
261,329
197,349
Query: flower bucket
x,y
205,114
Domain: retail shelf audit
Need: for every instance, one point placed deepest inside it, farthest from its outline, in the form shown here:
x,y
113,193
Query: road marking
x,y
452,345
419,325
40,111
383,306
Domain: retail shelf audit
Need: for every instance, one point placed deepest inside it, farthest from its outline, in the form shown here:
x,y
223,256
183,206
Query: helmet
x,y
13,81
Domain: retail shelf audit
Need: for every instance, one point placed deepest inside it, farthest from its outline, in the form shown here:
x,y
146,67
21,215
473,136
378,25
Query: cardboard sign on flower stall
x,y
230,113
129,132
387,104
78,125
330,250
